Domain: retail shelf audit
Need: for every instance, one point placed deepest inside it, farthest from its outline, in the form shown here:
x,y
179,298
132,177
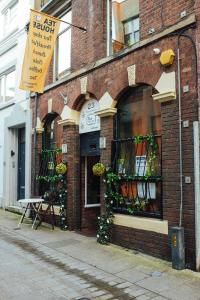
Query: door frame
x,y
18,160
85,185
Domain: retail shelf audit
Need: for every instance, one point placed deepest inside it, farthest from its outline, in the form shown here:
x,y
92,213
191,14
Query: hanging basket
x,y
98,169
61,168
51,165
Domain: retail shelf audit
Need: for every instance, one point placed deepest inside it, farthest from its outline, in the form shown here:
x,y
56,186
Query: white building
x,y
15,116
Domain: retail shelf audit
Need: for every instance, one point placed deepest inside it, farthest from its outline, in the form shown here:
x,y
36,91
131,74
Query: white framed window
x,y
92,183
63,47
124,24
7,86
131,31
10,18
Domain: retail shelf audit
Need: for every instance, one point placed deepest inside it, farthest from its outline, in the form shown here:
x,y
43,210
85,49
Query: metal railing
x,y
137,171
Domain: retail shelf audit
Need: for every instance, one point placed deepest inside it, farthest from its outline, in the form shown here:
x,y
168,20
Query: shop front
x,y
89,130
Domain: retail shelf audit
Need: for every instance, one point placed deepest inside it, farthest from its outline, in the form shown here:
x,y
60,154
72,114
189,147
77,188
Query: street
x,y
56,265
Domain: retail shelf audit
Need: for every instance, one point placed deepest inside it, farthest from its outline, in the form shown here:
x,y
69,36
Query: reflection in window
x,y
52,135
131,31
125,23
138,114
7,86
63,51
137,154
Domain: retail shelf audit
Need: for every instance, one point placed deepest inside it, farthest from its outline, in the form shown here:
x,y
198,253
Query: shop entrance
x,y
90,184
89,130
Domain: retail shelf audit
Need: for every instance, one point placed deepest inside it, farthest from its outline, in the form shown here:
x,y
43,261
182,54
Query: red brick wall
x,y
90,46
113,78
162,14
71,138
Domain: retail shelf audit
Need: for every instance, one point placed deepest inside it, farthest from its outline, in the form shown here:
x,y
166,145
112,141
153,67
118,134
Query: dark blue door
x,y
21,163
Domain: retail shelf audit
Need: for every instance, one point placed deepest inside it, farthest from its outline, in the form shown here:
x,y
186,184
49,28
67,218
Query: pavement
x,y
56,265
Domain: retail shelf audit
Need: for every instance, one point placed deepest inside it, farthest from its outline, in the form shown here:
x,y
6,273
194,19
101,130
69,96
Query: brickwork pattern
x,y
113,78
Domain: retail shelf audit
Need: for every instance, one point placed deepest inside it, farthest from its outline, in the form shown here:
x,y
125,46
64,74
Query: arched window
x,y
52,135
138,114
137,154
49,158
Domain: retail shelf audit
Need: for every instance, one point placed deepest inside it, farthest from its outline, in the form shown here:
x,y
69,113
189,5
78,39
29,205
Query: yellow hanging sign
x,y
43,31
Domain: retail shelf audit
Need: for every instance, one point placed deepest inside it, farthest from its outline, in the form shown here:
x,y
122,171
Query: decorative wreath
x,y
98,169
61,168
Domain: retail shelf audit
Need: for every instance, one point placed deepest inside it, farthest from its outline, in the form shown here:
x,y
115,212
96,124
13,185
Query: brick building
x,y
109,98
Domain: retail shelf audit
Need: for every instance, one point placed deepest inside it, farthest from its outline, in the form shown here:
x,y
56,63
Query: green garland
x,y
62,200
48,178
106,220
58,183
113,194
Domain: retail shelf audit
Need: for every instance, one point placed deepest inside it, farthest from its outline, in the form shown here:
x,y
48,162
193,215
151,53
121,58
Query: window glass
x,y
92,182
137,154
63,53
10,86
138,114
131,31
52,135
7,86
125,23
67,18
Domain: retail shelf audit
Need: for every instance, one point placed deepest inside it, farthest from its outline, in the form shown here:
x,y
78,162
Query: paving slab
x,y
56,265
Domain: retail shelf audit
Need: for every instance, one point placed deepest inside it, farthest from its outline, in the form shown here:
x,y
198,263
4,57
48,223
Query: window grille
x,y
136,178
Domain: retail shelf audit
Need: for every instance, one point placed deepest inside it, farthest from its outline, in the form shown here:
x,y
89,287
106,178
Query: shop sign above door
x,y
88,120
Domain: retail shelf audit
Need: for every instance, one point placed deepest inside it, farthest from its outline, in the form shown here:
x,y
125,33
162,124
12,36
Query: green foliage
x,y
57,183
113,193
104,231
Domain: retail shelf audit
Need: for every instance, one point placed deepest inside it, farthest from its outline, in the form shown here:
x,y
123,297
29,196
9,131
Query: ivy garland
x,y
62,200
113,193
106,220
58,181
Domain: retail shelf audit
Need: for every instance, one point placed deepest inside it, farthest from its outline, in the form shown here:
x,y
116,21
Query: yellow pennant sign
x,y
43,31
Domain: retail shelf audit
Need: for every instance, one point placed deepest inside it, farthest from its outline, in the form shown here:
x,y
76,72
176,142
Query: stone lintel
x,y
67,122
164,97
109,112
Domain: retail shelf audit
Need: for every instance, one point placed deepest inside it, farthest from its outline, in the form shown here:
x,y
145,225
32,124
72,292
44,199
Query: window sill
x,y
8,35
147,224
92,205
4,105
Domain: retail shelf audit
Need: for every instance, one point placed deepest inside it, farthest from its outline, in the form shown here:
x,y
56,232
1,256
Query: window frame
x,y
129,20
110,33
4,11
86,205
4,76
57,76
119,143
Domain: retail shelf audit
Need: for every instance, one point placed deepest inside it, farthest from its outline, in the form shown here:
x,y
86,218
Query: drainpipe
x,y
196,159
197,191
35,142
108,27
196,148
180,137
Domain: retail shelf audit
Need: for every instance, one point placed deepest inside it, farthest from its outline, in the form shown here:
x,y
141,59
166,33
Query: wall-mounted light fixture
x,y
12,153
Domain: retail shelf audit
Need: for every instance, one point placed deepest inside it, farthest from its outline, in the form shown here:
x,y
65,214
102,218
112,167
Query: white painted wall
x,y
16,112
